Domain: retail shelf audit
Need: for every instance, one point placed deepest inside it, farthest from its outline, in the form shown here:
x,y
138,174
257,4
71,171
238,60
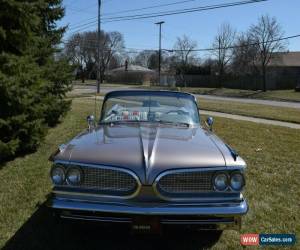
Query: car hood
x,y
146,149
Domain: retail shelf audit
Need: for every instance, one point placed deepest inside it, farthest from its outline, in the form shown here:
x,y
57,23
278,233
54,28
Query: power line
x,y
169,13
138,9
182,11
199,50
238,46
149,7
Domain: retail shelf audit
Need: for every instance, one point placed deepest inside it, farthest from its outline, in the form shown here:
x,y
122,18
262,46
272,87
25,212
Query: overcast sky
x,y
199,26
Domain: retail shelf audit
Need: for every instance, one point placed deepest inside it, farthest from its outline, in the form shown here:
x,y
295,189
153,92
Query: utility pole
x,y
98,48
159,52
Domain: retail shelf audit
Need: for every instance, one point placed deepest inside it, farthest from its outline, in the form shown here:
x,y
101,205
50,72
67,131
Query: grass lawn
x,y
254,110
272,154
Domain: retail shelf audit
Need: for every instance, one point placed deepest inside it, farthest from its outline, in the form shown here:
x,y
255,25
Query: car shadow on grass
x,y
43,231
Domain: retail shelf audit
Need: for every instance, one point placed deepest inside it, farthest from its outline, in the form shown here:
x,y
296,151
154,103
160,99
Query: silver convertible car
x,y
150,164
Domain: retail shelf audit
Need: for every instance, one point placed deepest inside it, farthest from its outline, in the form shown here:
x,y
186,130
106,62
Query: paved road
x,y
216,98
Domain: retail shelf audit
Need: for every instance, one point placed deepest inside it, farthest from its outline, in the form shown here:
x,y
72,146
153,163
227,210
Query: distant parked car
x,y
150,164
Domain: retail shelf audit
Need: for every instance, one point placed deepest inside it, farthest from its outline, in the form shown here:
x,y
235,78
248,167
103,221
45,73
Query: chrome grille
x,y
185,182
109,181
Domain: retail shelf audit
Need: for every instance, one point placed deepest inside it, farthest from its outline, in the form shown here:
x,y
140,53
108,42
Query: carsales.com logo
x,y
268,239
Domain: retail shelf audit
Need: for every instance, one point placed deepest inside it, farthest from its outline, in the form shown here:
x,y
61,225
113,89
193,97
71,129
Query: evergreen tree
x,y
33,83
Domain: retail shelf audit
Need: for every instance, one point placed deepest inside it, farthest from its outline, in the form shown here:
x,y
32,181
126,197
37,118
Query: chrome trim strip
x,y
217,209
196,222
212,169
74,164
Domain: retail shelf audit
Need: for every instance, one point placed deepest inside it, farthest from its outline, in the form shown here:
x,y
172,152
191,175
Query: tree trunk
x,y
264,78
82,77
102,77
220,78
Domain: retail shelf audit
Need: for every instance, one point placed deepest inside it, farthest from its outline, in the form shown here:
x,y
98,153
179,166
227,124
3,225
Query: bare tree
x,y
266,35
243,56
184,50
112,43
222,45
81,49
184,55
143,58
74,51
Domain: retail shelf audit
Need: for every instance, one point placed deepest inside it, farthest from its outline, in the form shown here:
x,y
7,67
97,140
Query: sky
x,y
198,26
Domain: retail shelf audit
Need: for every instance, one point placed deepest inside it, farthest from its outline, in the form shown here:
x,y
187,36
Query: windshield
x,y
150,107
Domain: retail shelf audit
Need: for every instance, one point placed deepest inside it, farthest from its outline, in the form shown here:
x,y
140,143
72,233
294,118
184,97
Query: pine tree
x,y
33,83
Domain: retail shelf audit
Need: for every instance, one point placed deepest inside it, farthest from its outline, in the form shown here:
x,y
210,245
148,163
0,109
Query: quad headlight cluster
x,y
72,175
223,181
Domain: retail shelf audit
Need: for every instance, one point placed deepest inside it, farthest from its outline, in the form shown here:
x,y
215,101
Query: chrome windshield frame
x,y
123,93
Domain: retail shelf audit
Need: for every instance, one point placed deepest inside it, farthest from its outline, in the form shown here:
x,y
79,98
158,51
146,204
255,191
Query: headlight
x,y
237,181
57,175
220,181
74,176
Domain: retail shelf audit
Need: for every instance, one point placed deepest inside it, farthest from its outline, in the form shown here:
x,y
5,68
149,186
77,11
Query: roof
x,y
285,59
132,68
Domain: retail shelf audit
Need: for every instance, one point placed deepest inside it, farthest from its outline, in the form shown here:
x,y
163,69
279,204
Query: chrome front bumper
x,y
222,215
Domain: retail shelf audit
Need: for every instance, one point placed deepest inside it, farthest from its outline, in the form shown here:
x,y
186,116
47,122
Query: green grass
x,y
253,110
272,154
273,157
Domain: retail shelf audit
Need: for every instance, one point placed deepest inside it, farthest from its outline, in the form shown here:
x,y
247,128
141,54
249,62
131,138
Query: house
x,y
130,73
283,70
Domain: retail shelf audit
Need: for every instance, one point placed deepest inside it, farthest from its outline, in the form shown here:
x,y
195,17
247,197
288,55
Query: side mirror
x,y
91,121
210,122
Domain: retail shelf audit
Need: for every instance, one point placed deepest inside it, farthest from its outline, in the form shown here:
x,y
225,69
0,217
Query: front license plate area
x,y
146,225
